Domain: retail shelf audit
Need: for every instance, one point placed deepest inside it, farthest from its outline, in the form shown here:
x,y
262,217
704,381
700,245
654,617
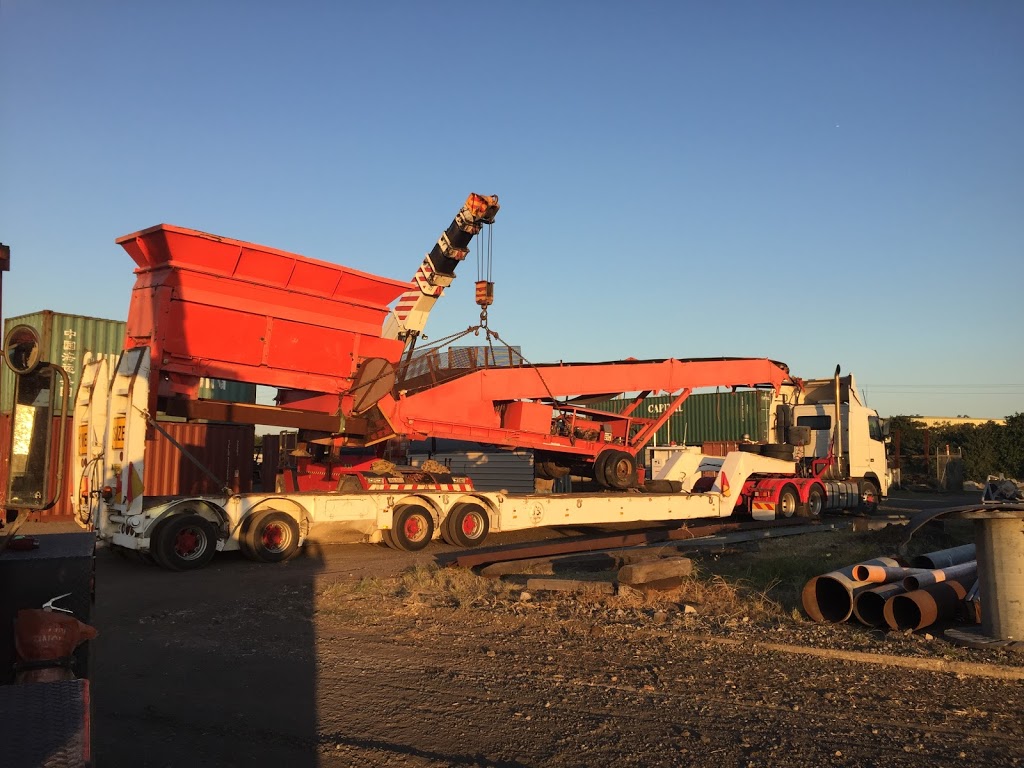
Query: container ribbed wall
x,y
65,339
706,417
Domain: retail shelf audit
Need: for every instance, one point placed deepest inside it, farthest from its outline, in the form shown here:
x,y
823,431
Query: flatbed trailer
x,y
182,533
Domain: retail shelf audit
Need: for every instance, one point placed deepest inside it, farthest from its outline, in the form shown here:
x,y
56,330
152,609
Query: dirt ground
x,y
352,656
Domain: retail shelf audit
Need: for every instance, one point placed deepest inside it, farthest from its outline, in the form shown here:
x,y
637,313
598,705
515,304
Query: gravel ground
x,y
346,657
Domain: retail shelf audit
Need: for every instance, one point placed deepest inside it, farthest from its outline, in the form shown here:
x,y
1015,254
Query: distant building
x,y
949,421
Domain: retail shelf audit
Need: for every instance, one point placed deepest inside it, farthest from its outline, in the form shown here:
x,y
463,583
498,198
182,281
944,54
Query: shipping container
x,y
706,416
226,450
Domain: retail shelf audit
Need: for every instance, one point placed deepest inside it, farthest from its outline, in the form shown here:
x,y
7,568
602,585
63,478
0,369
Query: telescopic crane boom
x,y
409,317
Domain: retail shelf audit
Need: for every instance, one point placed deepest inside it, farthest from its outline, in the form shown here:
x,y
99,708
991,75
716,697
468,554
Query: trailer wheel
x,y
815,502
620,470
412,527
271,536
868,497
788,502
184,543
466,525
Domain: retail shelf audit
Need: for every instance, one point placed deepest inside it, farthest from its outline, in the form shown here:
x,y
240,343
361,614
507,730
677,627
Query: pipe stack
x,y
884,592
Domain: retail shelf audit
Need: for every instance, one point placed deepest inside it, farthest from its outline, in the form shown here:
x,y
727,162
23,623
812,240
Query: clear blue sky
x,y
818,182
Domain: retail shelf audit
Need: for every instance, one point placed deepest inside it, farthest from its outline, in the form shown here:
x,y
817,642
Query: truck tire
x,y
815,503
868,496
778,451
788,503
270,536
619,470
184,543
466,525
550,470
412,527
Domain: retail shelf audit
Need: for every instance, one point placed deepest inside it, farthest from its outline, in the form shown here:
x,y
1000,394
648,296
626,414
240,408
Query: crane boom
x,y
409,317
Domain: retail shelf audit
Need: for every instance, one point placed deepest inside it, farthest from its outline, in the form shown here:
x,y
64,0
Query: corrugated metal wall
x,y
489,470
225,449
706,417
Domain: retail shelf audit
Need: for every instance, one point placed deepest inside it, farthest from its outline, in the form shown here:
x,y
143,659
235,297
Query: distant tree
x,y
1012,447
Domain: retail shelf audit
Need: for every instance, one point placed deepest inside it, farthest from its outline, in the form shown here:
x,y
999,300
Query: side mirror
x,y
22,349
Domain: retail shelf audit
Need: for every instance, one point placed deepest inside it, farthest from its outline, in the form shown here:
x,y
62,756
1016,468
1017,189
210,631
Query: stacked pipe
x,y
883,592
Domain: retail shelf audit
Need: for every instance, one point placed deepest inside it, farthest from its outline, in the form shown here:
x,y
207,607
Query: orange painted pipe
x,y
923,607
880,574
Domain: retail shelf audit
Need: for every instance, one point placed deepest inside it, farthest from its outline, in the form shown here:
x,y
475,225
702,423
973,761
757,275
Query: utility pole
x,y
5,264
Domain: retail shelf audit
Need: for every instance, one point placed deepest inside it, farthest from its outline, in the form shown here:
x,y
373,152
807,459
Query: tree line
x,y
987,449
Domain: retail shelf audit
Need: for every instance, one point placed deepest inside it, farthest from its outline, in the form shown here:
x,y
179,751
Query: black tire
x,y
620,471
750,447
868,497
778,451
386,540
815,503
788,503
412,527
599,462
550,470
270,536
185,542
466,525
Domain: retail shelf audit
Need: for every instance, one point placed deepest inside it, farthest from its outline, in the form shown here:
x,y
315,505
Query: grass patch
x,y
419,586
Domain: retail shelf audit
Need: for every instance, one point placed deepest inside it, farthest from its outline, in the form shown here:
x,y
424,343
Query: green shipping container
x,y
705,417
66,339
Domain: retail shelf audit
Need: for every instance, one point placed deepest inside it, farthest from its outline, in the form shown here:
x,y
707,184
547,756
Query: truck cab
x,y
862,451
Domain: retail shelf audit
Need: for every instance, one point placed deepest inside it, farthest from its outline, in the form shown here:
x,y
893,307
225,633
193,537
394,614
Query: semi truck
x,y
349,375
822,421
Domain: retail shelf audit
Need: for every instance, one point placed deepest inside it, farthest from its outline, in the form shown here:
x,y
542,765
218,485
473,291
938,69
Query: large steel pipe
x,y
965,573
829,597
944,558
880,574
869,604
923,607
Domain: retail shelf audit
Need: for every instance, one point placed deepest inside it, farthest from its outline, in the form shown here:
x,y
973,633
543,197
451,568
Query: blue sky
x,y
821,182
